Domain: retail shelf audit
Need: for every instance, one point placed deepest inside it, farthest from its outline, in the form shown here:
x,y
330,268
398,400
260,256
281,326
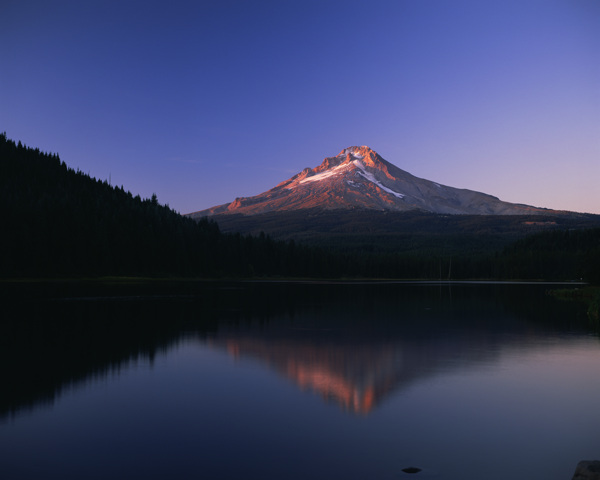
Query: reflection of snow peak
x,y
371,178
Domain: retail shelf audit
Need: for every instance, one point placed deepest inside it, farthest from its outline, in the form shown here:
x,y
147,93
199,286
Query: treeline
x,y
558,254
60,222
411,231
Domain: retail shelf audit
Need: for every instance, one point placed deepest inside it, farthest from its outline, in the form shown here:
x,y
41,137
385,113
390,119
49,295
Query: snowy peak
x,y
344,163
369,157
356,152
348,155
358,177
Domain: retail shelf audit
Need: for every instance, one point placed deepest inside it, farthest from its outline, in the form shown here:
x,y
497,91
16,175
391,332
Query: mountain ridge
x,y
358,177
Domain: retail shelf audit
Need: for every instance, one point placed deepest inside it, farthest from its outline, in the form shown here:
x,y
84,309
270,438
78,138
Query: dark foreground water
x,y
272,381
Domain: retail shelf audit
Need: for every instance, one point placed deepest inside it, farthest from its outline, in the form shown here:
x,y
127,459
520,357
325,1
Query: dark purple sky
x,y
204,101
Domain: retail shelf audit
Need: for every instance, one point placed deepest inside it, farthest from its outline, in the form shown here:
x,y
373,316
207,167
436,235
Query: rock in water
x,y
411,470
587,470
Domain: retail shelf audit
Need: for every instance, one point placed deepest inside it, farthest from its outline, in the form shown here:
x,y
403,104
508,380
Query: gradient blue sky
x,y
201,102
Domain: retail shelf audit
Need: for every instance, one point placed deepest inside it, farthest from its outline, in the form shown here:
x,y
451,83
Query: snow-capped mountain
x,y
359,177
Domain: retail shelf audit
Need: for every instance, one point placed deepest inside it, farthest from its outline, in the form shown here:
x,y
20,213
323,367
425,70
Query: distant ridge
x,y
358,177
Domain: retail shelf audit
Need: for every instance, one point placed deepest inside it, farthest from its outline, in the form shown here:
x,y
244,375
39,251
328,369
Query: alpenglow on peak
x,y
358,177
359,151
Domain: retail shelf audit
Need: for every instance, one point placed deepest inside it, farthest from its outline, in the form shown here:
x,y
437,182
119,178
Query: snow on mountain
x,y
358,177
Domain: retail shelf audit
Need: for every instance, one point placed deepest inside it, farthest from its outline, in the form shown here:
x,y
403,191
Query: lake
x,y
223,380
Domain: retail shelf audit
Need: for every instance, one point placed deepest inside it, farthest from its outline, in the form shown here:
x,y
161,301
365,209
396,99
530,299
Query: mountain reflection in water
x,y
220,380
355,377
352,344
361,353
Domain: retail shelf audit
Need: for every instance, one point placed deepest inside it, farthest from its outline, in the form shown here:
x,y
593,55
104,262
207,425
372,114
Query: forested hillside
x,y
60,222
410,232
559,254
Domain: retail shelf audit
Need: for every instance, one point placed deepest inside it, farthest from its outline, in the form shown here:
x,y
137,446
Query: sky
x,y
202,102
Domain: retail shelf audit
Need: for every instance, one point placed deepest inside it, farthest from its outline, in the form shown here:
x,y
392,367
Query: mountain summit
x,y
358,177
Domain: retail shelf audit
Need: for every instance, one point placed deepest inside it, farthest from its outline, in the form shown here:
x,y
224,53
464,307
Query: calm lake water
x,y
298,381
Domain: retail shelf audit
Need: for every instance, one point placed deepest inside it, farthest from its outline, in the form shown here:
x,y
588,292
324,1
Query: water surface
x,y
300,381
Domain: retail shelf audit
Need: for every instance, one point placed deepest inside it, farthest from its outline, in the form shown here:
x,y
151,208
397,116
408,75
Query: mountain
x,y
58,222
358,177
